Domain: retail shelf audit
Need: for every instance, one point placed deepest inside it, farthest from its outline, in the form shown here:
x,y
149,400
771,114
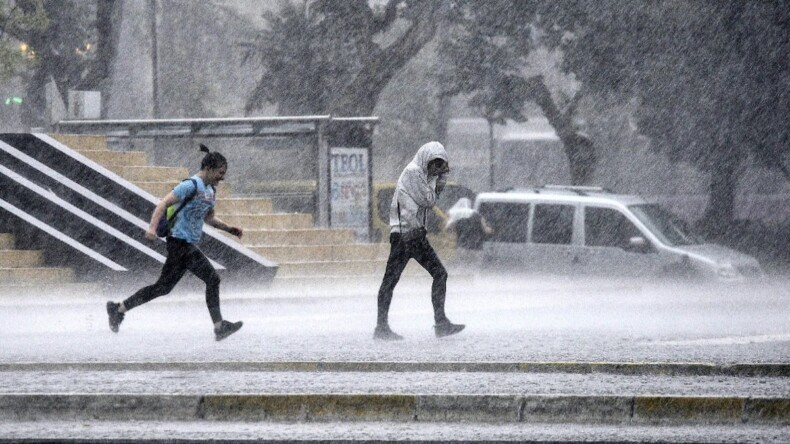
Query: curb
x,y
622,368
644,410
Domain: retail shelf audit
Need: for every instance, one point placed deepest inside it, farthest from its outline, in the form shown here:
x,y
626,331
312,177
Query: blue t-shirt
x,y
189,222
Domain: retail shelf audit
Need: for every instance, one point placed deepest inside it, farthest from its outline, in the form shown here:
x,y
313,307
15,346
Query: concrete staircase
x,y
308,257
24,272
19,267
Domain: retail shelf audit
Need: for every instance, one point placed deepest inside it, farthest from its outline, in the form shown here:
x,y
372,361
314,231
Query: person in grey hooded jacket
x,y
418,187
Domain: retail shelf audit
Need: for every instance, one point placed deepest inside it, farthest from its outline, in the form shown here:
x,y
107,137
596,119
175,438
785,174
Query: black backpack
x,y
168,219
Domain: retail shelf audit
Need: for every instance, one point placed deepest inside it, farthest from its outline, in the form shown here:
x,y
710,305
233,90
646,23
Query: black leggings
x,y
399,256
181,256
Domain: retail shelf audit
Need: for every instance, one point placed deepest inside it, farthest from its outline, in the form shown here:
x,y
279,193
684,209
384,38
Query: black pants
x,y
181,256
399,256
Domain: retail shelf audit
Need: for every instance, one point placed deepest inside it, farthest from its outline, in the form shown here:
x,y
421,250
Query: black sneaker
x,y
116,317
384,333
226,329
447,328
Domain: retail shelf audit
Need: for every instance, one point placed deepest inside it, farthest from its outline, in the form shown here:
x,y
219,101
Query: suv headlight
x,y
727,272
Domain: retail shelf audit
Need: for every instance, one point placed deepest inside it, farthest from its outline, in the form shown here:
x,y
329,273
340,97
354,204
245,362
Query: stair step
x,y
36,275
343,268
276,221
20,258
306,236
82,142
32,292
152,173
302,253
160,189
7,241
315,285
243,205
117,158
285,186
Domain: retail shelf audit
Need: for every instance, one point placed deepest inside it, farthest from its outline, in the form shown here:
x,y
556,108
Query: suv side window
x,y
607,227
553,224
508,221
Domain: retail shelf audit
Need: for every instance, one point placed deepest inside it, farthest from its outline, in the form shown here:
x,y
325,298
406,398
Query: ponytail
x,y
212,160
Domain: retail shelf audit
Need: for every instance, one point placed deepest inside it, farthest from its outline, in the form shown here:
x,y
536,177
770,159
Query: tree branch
x,y
390,15
579,149
785,171
106,45
540,94
385,63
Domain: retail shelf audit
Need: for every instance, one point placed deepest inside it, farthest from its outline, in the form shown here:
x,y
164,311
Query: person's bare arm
x,y
217,223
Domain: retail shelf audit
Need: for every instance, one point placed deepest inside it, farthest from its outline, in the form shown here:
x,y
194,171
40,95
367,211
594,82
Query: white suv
x,y
589,231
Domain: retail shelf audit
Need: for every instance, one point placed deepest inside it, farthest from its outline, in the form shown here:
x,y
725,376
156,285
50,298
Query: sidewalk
x,y
617,368
146,392
538,361
507,322
379,432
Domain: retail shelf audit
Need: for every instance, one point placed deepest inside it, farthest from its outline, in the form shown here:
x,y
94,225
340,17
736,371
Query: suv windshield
x,y
669,228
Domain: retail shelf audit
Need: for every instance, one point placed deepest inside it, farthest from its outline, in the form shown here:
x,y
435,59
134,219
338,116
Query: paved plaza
x,y
541,359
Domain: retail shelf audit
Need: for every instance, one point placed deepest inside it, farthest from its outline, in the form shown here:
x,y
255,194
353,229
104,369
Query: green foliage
x,y
711,77
17,18
66,48
310,51
326,56
292,64
484,51
11,59
488,55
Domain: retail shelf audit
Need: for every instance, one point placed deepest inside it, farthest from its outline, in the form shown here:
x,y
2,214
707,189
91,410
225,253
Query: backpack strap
x,y
188,198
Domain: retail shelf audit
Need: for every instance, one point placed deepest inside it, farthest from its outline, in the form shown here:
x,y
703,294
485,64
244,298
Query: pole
x,y
152,4
491,157
322,164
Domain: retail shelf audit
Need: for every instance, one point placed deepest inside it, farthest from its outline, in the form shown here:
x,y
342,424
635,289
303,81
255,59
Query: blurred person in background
x,y
471,231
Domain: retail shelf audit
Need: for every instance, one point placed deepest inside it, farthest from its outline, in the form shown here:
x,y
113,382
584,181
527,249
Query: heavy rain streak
x,y
395,220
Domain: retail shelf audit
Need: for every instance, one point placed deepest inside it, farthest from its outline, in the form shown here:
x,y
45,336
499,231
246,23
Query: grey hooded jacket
x,y
416,192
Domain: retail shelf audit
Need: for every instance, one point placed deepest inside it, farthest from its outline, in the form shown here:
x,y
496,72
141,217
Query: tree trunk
x,y
720,212
361,96
491,155
108,25
581,158
57,67
34,109
579,149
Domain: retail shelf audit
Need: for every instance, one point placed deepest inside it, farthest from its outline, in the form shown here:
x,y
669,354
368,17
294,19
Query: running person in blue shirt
x,y
182,251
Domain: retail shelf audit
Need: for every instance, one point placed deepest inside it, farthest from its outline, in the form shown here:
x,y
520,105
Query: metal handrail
x,y
202,127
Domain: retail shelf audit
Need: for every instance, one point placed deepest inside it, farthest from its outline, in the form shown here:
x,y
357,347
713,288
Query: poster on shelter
x,y
349,180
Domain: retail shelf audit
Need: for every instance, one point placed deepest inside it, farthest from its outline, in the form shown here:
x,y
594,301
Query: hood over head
x,y
428,152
